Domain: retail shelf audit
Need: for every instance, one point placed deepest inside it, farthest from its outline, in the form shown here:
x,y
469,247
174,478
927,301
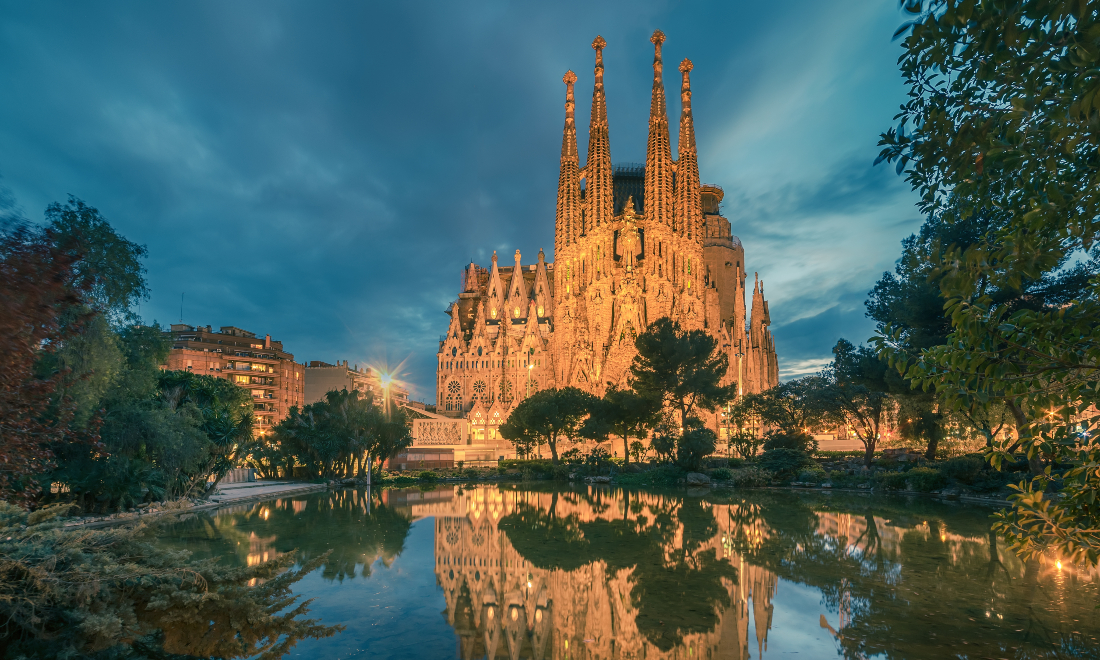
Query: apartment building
x,y
261,366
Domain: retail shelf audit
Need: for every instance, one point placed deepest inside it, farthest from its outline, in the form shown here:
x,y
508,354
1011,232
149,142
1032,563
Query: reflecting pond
x,y
529,571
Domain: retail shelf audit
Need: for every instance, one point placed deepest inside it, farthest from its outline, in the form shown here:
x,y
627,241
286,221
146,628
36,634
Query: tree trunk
x,y
1034,464
626,450
933,443
553,450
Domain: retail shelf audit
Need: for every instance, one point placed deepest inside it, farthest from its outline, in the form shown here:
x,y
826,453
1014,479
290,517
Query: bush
x,y
841,479
750,477
925,479
473,474
964,469
789,439
86,593
428,475
813,475
891,480
721,474
784,463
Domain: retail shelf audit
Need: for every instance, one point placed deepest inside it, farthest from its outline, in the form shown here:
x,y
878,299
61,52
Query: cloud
x,y
323,172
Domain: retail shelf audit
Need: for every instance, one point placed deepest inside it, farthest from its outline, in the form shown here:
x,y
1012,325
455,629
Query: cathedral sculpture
x,y
632,243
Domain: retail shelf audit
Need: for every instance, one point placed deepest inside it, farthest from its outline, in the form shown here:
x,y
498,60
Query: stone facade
x,y
633,243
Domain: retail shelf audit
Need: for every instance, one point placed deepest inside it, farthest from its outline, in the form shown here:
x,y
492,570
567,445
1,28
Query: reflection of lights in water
x,y
515,614
266,514
1058,564
491,614
538,615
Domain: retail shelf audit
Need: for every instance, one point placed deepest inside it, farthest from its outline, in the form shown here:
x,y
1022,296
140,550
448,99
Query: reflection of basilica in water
x,y
504,606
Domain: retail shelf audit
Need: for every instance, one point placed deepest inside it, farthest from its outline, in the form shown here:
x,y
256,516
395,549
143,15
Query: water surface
x,y
523,571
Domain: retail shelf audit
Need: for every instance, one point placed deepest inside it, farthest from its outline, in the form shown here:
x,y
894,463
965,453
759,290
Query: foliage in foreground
x,y
113,593
1001,124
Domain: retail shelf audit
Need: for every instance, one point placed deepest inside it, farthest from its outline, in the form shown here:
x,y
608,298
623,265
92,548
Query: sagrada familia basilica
x,y
632,244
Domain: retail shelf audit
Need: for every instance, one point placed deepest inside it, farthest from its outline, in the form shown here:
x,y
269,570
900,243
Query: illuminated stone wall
x,y
620,264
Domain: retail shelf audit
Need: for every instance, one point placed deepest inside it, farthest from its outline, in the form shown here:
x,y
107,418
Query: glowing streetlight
x,y
386,379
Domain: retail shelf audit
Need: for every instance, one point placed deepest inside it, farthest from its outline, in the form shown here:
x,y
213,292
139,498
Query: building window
x,y
454,400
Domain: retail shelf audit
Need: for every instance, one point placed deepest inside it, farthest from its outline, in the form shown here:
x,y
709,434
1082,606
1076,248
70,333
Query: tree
x,y
681,369
1001,120
546,416
33,420
745,443
107,267
793,407
624,413
697,443
858,395
342,433
223,413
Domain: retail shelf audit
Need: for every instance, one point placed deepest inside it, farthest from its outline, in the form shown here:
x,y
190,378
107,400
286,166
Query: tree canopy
x,y
547,415
681,369
1001,123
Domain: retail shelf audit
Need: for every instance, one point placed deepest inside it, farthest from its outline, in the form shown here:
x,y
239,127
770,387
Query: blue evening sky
x,y
321,171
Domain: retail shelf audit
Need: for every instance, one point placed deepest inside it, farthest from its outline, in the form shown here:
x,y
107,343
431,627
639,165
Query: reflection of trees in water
x,y
909,584
356,530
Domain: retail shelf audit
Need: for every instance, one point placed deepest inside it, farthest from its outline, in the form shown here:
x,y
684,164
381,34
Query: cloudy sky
x,y
322,171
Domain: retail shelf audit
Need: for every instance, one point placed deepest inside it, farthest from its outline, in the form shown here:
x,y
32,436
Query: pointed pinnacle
x,y
569,78
599,43
686,66
658,38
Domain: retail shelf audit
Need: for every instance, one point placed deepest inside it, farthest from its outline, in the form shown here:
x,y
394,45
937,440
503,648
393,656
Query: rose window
x,y
453,392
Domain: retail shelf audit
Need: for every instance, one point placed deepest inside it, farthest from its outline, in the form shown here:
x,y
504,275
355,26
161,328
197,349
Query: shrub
x,y
428,475
473,474
841,479
925,479
784,463
789,439
891,480
721,474
964,469
814,475
750,477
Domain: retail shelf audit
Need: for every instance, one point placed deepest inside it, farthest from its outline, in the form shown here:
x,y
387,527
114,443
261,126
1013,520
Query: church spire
x,y
568,180
688,212
599,194
658,157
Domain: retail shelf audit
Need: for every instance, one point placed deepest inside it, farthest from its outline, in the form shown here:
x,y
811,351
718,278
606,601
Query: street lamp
x,y
386,380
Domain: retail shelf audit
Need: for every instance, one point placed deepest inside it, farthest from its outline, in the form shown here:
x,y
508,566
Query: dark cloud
x,y
322,171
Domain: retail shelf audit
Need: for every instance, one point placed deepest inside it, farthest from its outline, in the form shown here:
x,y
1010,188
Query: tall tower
x,y
568,211
599,191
